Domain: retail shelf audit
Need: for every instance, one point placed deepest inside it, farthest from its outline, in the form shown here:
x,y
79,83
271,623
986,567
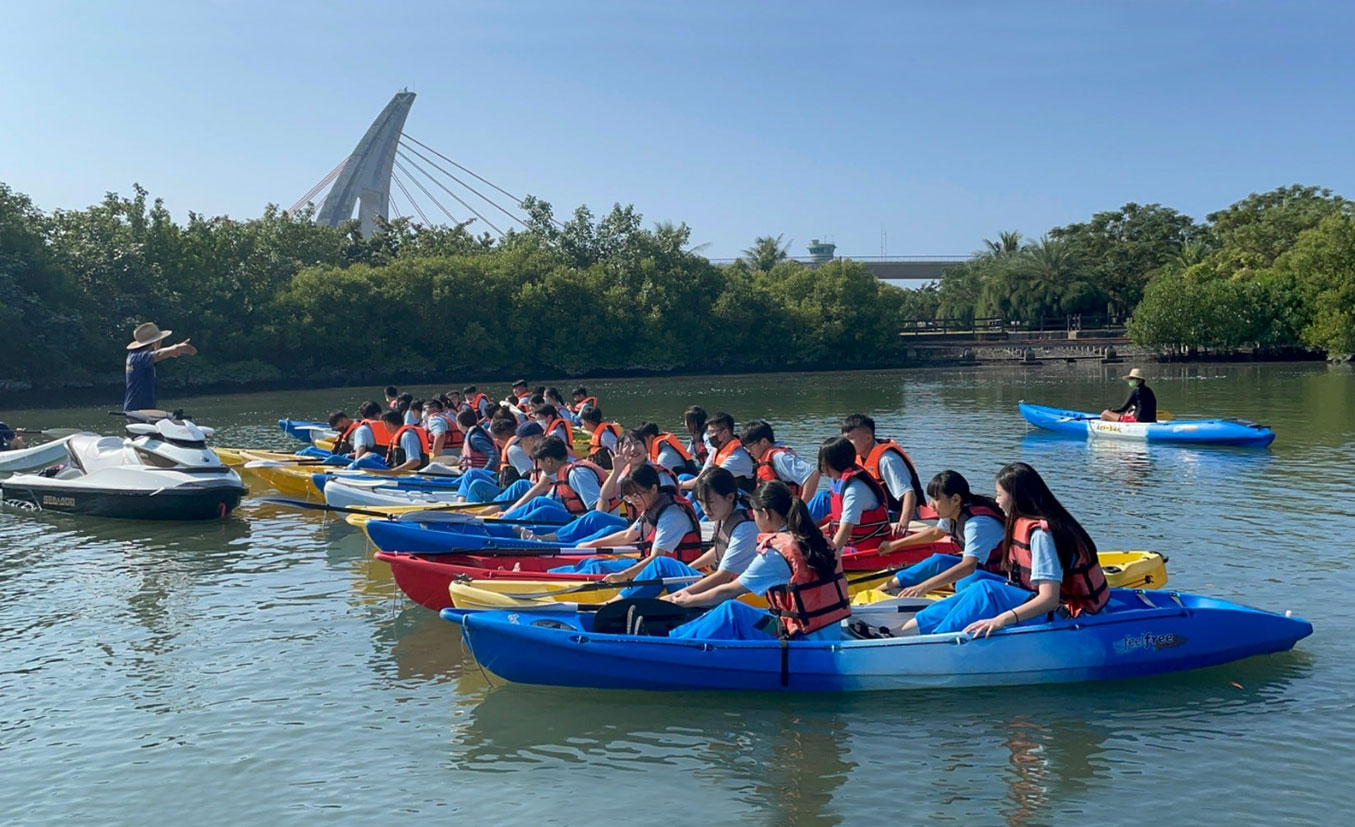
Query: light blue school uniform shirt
x,y
362,437
742,549
609,440
790,468
981,535
769,570
585,484
411,418
739,462
673,525
895,474
669,457
857,498
518,458
410,444
1044,558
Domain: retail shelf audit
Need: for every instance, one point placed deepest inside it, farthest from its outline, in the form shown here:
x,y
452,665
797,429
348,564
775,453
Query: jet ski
x,y
163,470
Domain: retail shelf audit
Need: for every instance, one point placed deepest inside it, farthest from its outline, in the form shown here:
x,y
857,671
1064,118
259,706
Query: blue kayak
x,y
434,537
1138,634
1184,431
301,429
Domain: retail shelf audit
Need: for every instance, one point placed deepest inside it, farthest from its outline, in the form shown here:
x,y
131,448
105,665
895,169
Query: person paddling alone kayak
x,y
145,353
1141,406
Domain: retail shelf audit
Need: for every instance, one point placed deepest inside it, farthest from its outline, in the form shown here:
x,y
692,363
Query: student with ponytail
x,y
796,569
1048,559
973,521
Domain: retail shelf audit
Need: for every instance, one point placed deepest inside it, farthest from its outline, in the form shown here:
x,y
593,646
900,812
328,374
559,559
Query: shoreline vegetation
x,y
278,301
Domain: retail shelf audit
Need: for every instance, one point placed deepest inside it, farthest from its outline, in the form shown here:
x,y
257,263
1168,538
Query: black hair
x,y
539,390
550,448
1031,497
469,391
836,454
774,496
579,391
503,426
435,402
715,482
639,480
537,399
405,397
394,417
757,430
546,409
369,410
633,435
591,414
416,405
695,419
391,392
553,393
855,421
336,416
648,429
467,418
950,483
519,383
720,419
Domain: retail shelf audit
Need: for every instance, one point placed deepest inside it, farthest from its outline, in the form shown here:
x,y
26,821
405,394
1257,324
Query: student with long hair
x,y
796,569
667,527
857,515
1048,559
695,420
973,521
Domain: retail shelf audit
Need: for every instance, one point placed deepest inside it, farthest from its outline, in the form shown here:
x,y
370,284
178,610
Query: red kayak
x,y
425,577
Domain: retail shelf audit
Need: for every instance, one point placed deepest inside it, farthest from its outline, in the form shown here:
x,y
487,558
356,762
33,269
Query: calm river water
x,y
265,670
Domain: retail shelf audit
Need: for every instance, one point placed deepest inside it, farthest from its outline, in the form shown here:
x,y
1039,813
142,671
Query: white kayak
x,y
345,493
35,458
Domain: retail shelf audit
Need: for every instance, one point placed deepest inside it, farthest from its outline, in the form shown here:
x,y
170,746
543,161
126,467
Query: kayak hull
x,y
1178,633
425,579
1180,431
33,459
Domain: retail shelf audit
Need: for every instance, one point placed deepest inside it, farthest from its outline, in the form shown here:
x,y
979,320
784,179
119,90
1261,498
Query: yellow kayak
x,y
1124,570
504,594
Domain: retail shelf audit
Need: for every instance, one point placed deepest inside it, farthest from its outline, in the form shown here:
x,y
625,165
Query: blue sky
x,y
942,122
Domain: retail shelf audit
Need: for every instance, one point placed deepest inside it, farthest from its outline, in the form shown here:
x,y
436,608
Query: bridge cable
x,y
469,187
415,204
425,191
443,187
333,173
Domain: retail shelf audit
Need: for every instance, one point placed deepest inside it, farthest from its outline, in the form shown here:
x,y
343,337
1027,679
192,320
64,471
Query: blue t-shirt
x,y
673,526
742,548
981,535
1044,558
479,440
362,437
410,444
857,498
140,394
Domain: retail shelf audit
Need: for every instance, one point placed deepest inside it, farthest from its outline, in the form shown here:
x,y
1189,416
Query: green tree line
x,y
280,299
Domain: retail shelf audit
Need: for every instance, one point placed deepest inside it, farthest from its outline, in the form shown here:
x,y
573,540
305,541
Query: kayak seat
x,y
645,616
861,630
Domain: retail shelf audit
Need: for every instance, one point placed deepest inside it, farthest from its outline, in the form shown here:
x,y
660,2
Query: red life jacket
x,y
689,547
473,458
871,463
595,442
474,404
993,562
672,442
766,469
1084,587
696,447
808,602
395,455
570,498
874,526
451,439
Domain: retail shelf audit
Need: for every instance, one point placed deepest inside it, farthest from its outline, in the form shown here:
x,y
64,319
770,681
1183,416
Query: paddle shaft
x,y
602,585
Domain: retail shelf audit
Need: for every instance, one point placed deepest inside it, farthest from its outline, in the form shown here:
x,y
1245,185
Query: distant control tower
x,y
366,178
821,251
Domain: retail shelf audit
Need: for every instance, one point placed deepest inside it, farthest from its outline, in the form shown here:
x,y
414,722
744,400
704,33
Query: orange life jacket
x,y
452,439
1084,587
689,547
766,470
570,498
587,401
874,526
566,434
381,436
723,452
994,559
871,463
595,441
395,455
474,404
672,442
808,602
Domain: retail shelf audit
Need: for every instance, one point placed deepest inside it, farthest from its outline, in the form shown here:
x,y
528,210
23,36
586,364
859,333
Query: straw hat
x,y
147,334
1135,374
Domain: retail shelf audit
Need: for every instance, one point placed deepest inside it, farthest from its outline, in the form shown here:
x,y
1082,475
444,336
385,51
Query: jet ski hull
x,y
207,501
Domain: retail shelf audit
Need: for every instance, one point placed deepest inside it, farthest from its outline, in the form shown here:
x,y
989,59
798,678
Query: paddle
x,y
601,585
302,504
54,433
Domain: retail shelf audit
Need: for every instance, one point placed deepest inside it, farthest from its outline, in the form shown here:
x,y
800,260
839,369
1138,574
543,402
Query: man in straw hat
x,y
1141,406
144,352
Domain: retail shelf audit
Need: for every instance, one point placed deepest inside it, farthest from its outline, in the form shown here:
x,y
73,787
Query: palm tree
x,y
766,252
1007,242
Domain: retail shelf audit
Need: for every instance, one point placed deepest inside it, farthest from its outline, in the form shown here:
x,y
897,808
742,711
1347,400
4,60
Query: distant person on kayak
x,y
392,397
363,436
889,465
10,439
795,568
695,420
973,521
1047,567
727,452
666,450
1140,406
145,353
